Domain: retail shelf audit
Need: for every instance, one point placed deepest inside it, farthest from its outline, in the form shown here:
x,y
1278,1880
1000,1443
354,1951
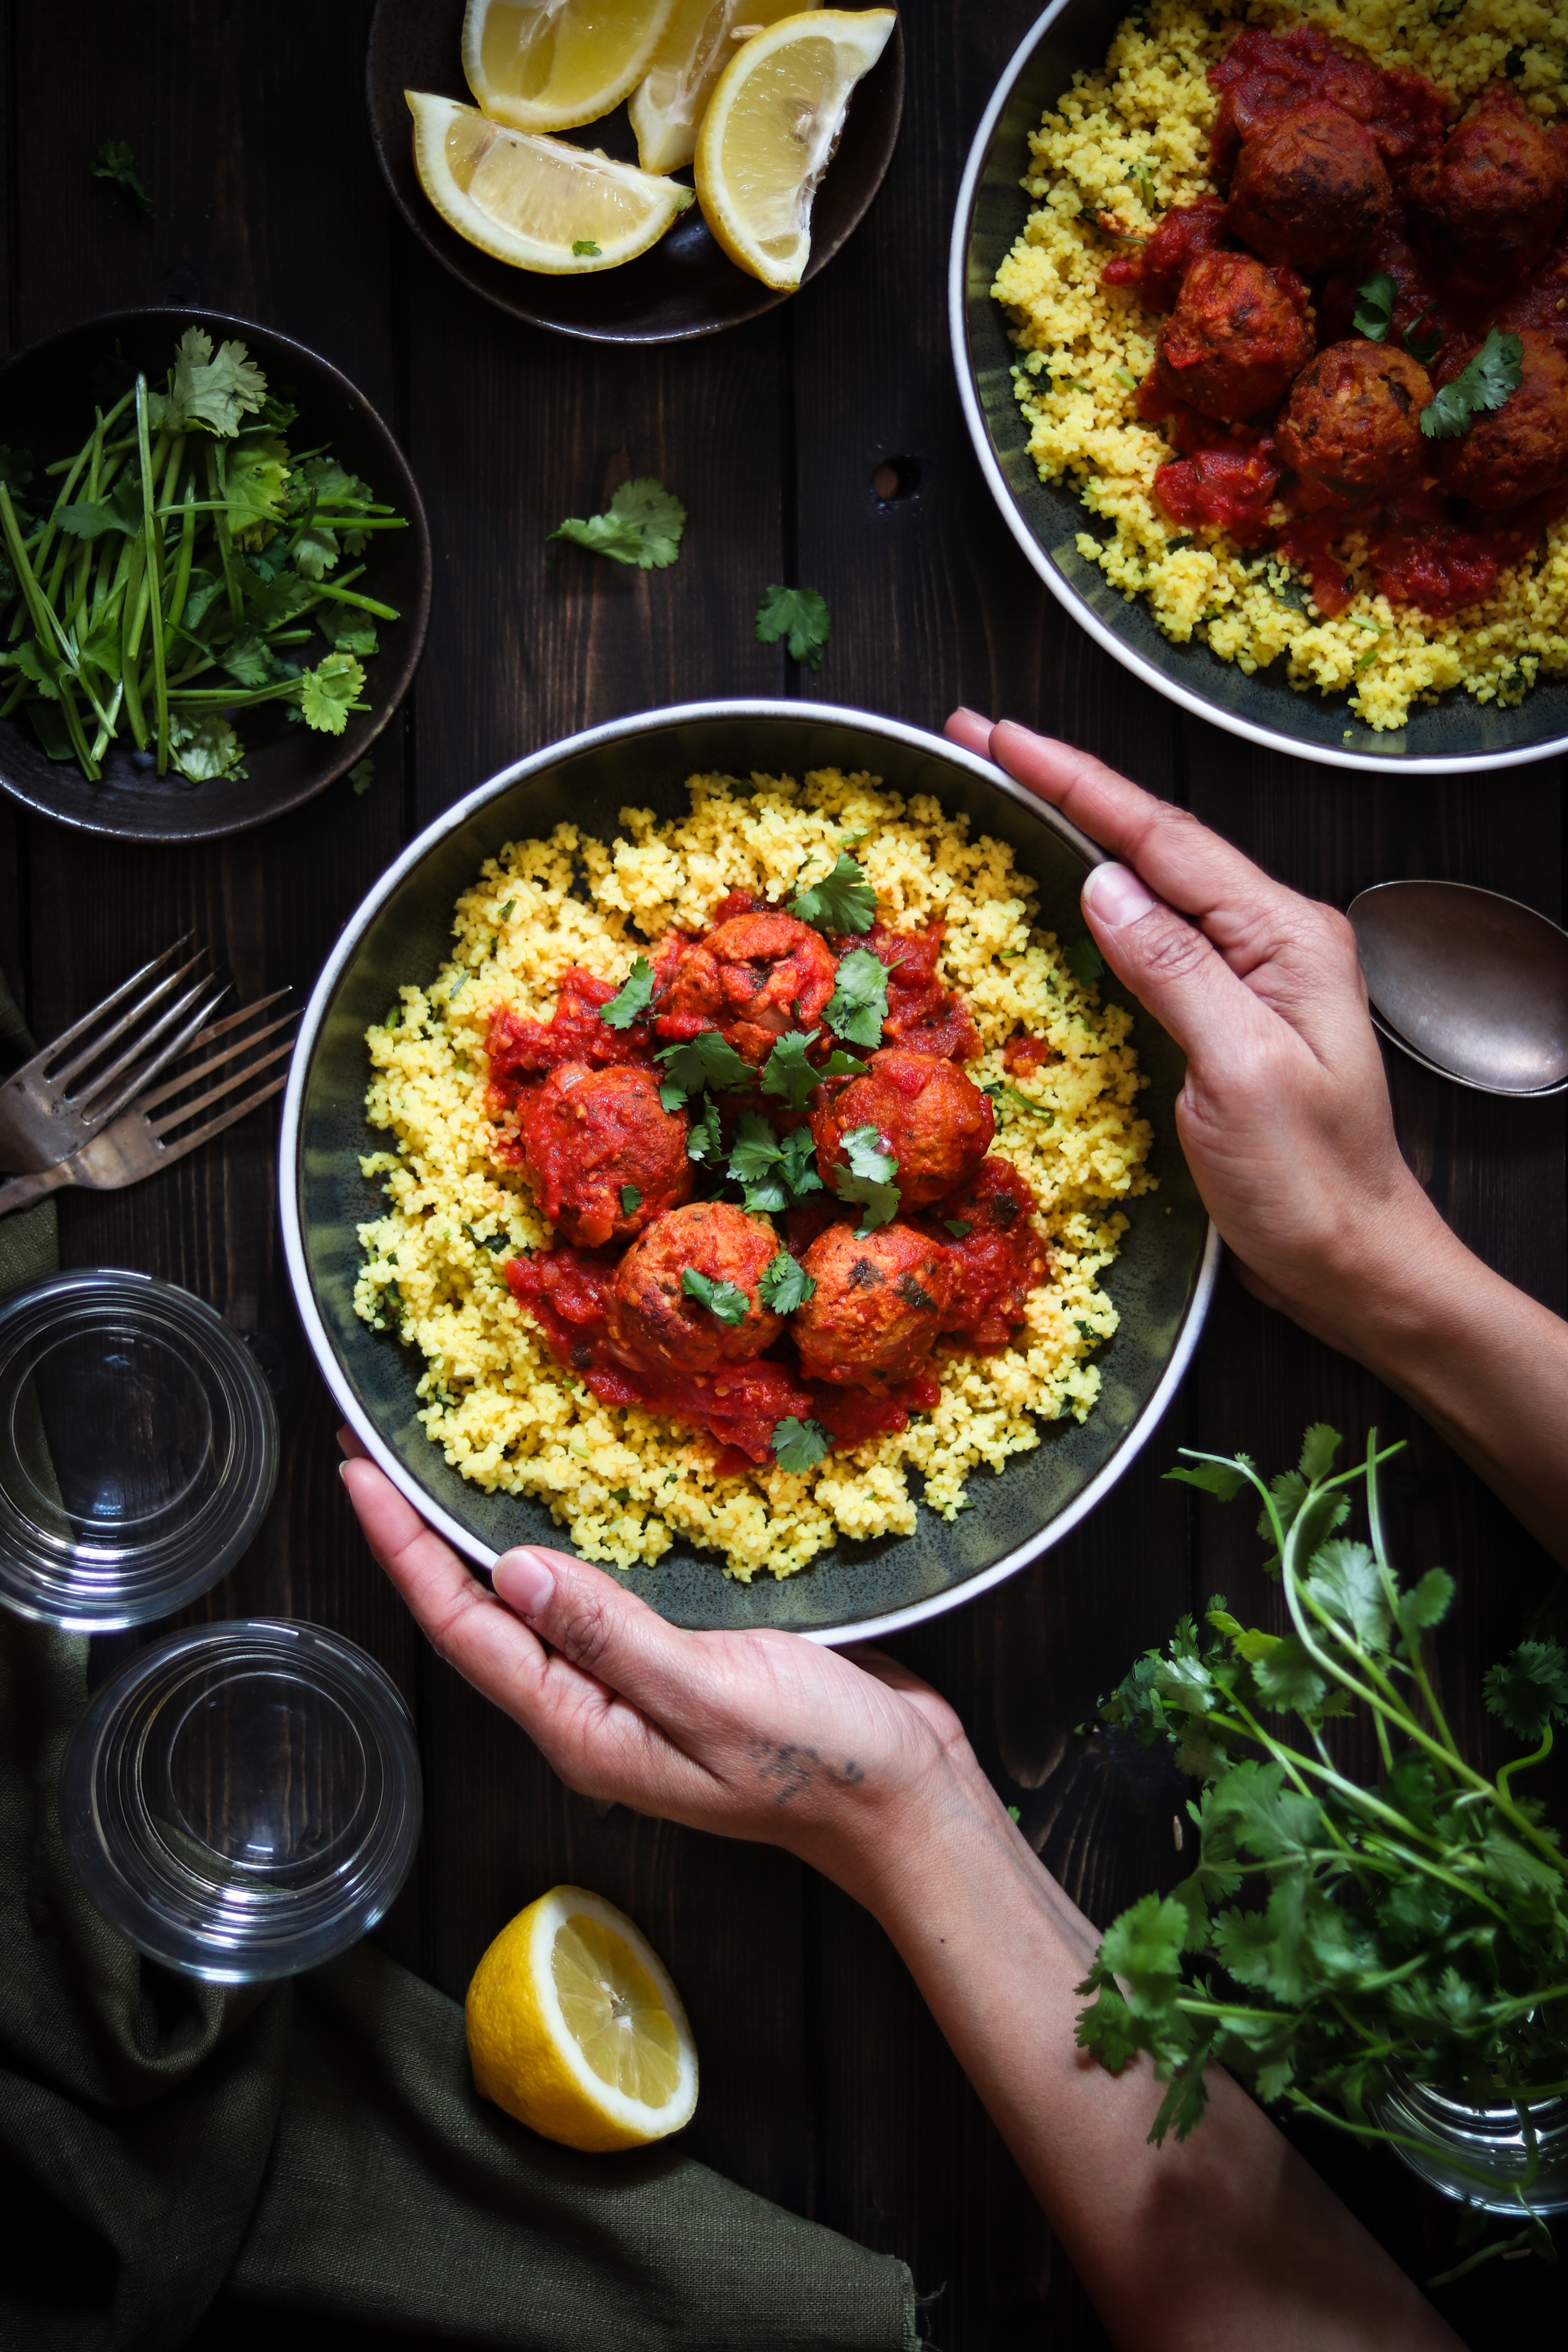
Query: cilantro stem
x,y
347,596
217,485
182,587
152,538
1524,1763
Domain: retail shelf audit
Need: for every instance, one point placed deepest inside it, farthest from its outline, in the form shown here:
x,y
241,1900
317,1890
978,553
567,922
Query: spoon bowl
x,y
1469,983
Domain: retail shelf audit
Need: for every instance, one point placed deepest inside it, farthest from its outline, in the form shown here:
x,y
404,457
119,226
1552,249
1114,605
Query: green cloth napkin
x,y
318,2144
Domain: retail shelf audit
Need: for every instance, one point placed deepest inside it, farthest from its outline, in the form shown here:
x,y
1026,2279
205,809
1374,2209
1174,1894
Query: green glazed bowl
x,y
1161,1283
1453,736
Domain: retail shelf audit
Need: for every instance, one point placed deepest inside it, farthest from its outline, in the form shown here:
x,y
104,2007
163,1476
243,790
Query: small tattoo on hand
x,y
792,1767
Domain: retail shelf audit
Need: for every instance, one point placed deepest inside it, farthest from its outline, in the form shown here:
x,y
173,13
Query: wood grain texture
x,y
825,2083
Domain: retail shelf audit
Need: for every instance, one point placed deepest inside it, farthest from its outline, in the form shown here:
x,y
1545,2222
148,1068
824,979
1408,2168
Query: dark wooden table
x,y
825,2084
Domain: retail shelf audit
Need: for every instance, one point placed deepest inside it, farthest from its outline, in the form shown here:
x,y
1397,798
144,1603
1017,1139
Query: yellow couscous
x,y
625,1483
1127,144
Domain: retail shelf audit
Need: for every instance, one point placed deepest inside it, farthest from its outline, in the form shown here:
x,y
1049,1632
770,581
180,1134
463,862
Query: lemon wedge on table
x,y
540,204
699,42
575,2028
769,132
549,65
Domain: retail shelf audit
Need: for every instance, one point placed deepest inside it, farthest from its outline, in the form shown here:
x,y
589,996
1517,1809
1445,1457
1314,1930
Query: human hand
x,y
1284,1115
843,1759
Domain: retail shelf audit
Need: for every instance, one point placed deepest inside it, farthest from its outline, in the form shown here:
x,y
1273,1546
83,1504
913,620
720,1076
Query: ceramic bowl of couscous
x,y
1106,129
416,1230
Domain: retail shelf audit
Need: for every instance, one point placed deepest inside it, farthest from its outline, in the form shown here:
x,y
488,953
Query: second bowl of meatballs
x,y
1261,332
721,1222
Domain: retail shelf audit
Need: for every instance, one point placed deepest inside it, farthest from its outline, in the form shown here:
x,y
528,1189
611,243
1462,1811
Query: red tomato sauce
x,y
998,1261
922,1016
1265,74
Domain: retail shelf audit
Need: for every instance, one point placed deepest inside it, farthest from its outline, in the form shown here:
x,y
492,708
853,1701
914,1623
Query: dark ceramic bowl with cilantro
x,y
1160,1283
273,509
1454,733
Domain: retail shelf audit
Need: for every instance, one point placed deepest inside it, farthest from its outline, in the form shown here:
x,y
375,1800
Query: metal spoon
x,y
1469,983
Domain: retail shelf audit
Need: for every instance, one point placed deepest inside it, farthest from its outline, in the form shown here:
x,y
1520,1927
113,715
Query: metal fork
x,y
150,1136
76,1088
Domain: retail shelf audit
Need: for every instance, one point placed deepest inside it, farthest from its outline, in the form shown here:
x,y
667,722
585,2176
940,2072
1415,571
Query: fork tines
x,y
241,1056
105,1088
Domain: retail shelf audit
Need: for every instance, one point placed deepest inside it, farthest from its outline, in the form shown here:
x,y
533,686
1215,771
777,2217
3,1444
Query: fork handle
x,y
21,1192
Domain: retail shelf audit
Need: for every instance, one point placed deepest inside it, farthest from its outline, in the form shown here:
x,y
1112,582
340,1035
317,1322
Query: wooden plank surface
x,y
825,2083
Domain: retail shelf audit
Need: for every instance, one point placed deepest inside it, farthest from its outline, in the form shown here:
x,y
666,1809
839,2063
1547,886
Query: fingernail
x,y
524,1582
965,711
343,1472
1116,896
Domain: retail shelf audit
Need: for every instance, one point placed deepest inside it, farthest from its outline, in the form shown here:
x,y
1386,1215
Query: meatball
x,y
1309,189
590,1134
753,977
1519,451
936,1121
877,1307
1236,340
654,1319
1353,424
1498,192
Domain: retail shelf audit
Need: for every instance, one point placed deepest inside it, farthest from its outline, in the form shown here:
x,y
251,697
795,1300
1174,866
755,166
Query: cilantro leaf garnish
x,y
328,692
868,1179
1375,309
585,247
707,1059
705,1143
204,748
633,998
799,1446
960,1227
114,162
788,1072
803,614
725,1300
785,1284
642,526
363,775
841,900
858,1005
631,1200
1484,383
1083,961
776,1174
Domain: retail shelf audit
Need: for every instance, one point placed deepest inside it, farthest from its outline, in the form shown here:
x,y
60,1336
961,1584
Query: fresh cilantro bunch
x,y
642,526
183,558
1333,1934
1484,383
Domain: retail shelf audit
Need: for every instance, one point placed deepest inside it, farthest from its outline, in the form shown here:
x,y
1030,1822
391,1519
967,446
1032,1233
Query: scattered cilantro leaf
x,y
800,615
705,1060
631,1200
363,775
785,1284
960,1227
858,1005
642,526
788,1072
584,246
1423,349
633,998
1375,307
326,692
868,1179
799,1446
725,1300
114,162
1486,382
841,900
1529,1690
1083,961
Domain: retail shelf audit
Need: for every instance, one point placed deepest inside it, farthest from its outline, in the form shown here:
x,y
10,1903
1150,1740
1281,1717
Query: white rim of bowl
x,y
1271,739
824,714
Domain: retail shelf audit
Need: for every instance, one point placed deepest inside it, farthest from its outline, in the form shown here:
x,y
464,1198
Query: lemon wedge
x,y
699,42
540,204
769,132
575,2028
549,65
